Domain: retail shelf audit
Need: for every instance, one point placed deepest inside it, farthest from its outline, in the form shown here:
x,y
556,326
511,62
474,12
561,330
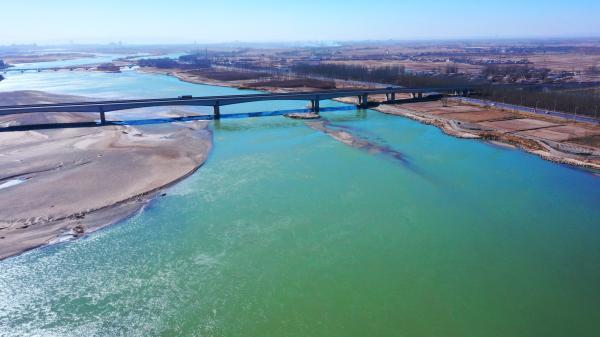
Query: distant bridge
x,y
39,70
216,102
71,68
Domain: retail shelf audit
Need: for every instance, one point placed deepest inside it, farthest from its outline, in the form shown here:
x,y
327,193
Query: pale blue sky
x,y
186,21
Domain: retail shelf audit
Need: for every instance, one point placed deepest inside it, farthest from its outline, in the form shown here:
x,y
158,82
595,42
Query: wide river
x,y
288,232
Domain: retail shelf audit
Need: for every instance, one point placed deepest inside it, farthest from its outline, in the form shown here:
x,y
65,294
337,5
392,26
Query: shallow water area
x,y
11,182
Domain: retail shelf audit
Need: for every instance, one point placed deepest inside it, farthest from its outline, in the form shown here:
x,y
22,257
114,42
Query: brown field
x,y
437,108
520,124
564,62
592,141
480,116
227,75
563,132
294,83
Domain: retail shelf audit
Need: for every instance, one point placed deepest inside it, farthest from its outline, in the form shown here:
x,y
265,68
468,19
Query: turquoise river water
x,y
288,232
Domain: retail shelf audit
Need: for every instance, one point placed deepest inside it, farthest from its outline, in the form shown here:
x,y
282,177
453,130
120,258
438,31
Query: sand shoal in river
x,y
58,184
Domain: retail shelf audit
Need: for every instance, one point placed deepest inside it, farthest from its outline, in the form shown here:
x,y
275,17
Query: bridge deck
x,y
215,101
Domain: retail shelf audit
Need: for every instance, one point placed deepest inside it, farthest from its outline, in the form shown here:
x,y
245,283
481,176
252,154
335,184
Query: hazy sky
x,y
177,21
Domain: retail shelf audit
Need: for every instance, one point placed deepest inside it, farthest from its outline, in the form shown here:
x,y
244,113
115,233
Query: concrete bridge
x,y
70,68
39,70
102,107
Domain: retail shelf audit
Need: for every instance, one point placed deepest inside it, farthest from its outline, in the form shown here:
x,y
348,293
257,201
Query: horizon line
x,y
330,41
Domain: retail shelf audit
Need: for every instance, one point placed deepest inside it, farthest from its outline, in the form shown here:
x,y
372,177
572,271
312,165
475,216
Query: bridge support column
x,y
363,101
390,97
315,106
102,116
420,95
217,111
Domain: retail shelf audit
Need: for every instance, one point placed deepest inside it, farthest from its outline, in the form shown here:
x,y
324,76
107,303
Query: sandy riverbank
x,y
552,138
59,184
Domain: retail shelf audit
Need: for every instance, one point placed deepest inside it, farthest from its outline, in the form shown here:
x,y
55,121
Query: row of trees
x,y
507,70
395,75
193,61
585,102
161,63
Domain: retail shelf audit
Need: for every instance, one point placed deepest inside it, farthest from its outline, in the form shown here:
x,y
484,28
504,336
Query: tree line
x,y
193,61
515,71
395,75
585,102
582,102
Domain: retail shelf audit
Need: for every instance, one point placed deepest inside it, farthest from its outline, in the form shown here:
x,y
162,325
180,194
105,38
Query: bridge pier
x,y
363,101
390,97
217,111
315,105
102,116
